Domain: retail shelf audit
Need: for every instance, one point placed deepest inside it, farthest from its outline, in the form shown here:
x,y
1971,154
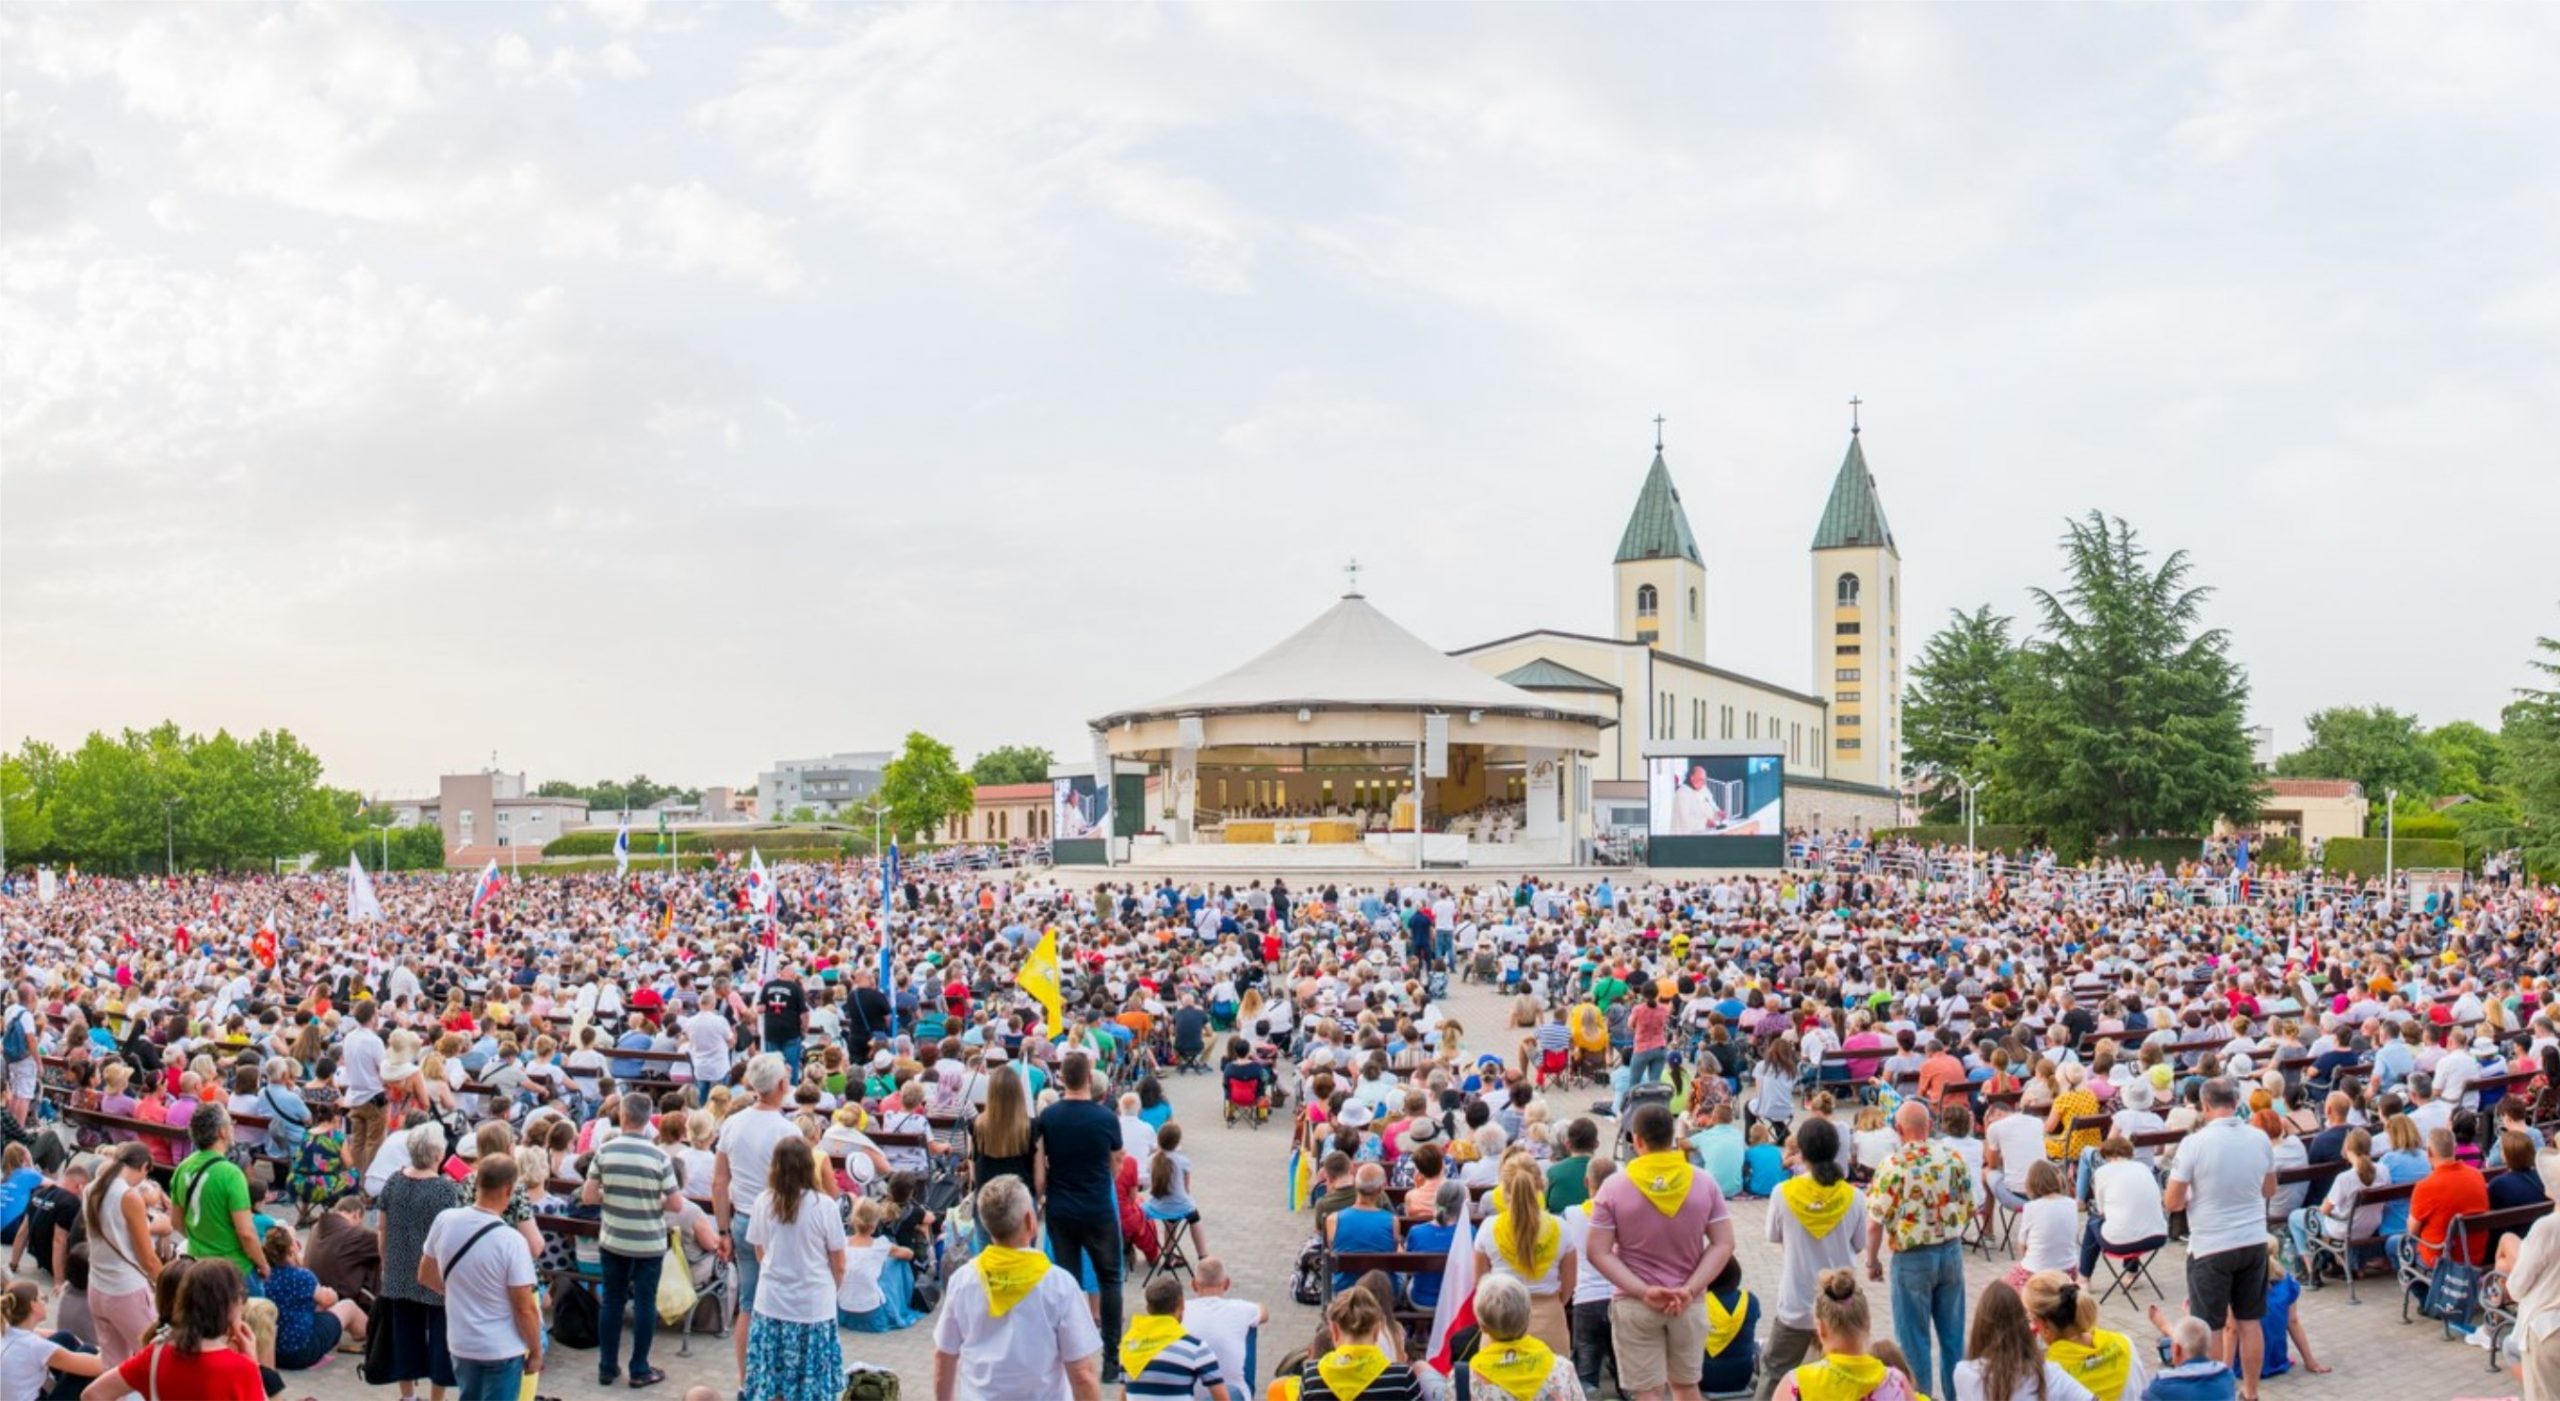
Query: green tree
x,y
27,783
1013,763
924,786
2471,760
2125,717
1958,699
418,847
2374,745
2530,728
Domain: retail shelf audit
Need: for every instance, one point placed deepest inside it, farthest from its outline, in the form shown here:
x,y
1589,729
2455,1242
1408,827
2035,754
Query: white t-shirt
x,y
1024,1355
1803,1257
2225,1165
707,1038
1589,1285
747,1139
796,1281
2125,1193
2059,1385
23,1354
1221,1324
480,1317
2019,1139
2049,1234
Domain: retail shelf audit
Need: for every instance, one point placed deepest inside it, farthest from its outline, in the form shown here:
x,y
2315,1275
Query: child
x,y
910,1227
1733,1333
320,1171
1764,1164
874,1295
1169,1186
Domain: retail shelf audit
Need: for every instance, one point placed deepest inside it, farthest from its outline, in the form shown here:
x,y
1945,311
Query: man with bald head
x,y
1920,1204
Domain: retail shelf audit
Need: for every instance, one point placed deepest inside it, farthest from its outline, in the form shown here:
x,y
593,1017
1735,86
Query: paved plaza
x,y
1238,1180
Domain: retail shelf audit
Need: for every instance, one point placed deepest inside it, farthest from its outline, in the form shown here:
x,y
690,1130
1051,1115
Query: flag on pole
x,y
1039,977
888,983
667,922
622,846
485,887
361,901
1457,1307
759,885
263,943
889,880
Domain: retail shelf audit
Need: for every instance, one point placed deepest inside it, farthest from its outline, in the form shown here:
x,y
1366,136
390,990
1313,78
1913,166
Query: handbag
x,y
676,1294
376,1367
575,1319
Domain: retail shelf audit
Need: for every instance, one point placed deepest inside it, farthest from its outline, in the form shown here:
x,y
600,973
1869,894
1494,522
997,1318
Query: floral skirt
x,y
794,1361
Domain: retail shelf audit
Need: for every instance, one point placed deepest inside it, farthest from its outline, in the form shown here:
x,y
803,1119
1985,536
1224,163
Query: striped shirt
x,y
1396,1383
1186,1369
636,1176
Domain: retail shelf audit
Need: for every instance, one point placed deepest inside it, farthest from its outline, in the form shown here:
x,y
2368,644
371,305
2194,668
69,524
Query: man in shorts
x,y
1660,1231
2223,1176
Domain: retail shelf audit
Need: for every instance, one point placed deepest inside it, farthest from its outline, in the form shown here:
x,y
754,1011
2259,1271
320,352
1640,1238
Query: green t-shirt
x,y
1568,1184
1608,990
208,1208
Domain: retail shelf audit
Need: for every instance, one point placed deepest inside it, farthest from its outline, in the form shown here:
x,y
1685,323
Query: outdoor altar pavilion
x,y
1350,735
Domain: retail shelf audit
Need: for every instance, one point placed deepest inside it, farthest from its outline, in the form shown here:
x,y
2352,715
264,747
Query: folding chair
x,y
715,1294
2129,1268
1172,1257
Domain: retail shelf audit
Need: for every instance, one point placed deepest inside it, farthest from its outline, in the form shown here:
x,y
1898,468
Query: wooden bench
x,y
1399,1262
2492,1088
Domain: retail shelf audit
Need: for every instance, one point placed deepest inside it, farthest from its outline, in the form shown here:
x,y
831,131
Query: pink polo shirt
x,y
1660,1250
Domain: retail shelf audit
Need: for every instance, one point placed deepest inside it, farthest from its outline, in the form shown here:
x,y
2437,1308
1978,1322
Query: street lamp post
x,y
2390,830
1972,862
383,829
169,832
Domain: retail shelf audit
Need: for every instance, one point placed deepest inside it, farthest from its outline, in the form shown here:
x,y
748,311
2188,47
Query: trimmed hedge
x,y
1987,836
798,840
2363,856
2275,851
2418,826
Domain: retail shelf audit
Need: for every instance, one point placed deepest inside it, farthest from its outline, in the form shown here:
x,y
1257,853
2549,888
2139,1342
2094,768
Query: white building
x,y
833,785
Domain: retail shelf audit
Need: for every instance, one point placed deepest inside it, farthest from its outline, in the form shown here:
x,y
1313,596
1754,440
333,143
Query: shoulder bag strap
x,y
455,1263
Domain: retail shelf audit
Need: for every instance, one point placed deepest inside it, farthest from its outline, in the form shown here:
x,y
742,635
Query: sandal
x,y
651,1377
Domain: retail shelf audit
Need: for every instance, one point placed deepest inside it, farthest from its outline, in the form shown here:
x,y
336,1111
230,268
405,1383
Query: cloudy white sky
x,y
630,386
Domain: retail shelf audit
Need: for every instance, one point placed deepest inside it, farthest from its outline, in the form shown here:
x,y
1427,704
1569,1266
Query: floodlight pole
x,y
2390,831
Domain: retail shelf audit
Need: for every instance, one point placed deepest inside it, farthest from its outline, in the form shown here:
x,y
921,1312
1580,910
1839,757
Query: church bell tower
x,y
1661,582
1857,627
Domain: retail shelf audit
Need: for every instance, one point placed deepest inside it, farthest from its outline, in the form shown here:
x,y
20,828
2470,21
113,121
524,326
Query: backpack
x,y
13,1042
1306,1282
870,1384
574,1319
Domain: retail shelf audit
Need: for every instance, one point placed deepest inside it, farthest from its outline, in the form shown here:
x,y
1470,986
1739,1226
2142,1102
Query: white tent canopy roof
x,y
1351,656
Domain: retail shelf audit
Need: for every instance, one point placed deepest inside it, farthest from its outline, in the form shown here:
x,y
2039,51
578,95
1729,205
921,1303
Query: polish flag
x,y
1456,1310
485,887
263,944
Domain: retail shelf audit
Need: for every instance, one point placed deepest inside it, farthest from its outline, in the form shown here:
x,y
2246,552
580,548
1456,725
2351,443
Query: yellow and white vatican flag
x,y
1039,977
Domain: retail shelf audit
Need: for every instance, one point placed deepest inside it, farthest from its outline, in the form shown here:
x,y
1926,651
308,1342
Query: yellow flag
x,y
1039,977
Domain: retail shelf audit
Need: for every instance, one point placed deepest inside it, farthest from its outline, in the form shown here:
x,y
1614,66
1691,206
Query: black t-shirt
x,y
784,1006
1079,1136
51,1209
866,1014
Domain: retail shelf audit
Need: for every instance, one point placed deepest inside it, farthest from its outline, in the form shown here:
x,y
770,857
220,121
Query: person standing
x,y
1011,1327
1660,1232
635,1182
793,1350
1811,1221
782,1006
2223,1178
485,1272
1077,1153
1920,1203
123,1266
745,1157
360,1077
707,1039
213,1196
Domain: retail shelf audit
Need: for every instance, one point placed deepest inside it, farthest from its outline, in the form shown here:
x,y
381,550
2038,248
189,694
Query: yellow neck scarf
x,y
1347,1371
1010,1274
1816,1207
1542,1258
1663,1178
2103,1364
1724,1324
1839,1377
1148,1335
1520,1368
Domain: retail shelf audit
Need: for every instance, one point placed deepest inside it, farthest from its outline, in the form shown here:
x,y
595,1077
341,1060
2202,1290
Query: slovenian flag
x,y
1456,1310
622,847
485,887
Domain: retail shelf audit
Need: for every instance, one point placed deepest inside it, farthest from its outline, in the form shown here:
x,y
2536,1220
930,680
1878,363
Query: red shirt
x,y
2453,1190
215,1374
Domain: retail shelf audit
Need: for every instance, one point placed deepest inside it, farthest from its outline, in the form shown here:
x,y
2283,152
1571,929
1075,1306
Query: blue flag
x,y
888,902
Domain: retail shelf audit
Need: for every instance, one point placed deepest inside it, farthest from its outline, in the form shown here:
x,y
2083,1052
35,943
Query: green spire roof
x,y
1659,529
1854,518
1548,674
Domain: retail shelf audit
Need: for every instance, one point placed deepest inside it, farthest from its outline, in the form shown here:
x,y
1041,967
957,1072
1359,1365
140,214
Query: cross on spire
x,y
1351,571
1854,402
1657,432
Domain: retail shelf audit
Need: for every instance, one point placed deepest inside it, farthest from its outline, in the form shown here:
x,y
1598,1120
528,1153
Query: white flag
x,y
622,847
759,884
47,884
361,903
1457,1306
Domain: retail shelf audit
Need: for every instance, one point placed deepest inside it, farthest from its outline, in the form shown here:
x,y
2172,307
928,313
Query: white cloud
x,y
45,176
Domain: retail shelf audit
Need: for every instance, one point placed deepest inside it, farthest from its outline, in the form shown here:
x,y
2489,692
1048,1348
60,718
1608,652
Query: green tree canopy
x,y
1958,700
1013,763
2471,760
2125,717
2530,728
143,799
924,786
609,795
2374,745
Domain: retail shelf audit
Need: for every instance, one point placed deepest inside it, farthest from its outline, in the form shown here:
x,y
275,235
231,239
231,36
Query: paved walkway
x,y
1238,1180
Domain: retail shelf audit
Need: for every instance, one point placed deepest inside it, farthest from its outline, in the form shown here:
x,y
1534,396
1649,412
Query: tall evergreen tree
x,y
1958,698
2124,716
2531,728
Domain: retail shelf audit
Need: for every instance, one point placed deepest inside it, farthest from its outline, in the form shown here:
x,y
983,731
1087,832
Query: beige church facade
x,y
1840,736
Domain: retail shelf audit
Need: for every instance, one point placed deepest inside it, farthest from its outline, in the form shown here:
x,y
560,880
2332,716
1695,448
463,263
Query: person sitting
x,y
1365,1226
54,1362
345,1254
1733,1333
2452,1189
1354,1366
2125,1211
2193,1373
1508,1360
310,1317
1159,1357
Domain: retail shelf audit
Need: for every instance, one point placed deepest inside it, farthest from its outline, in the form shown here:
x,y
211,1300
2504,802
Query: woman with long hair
x,y
1351,1364
1847,1370
123,1266
793,1352
31,1360
2003,1362
1524,1240
1000,1136
205,1353
2066,1317
1817,1218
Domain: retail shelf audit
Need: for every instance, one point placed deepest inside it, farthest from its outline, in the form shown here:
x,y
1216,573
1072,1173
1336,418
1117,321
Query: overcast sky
x,y
634,387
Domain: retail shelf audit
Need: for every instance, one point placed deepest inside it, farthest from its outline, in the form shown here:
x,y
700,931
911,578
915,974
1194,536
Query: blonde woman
x,y
2066,1318
1524,1240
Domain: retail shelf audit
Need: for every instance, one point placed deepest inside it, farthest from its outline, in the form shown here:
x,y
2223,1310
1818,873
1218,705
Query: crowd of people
x,y
246,1131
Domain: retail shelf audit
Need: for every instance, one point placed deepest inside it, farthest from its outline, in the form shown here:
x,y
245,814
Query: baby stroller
x,y
1637,1098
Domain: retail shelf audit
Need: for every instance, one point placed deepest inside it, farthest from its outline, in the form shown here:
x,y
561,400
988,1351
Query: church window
x,y
1845,593
1693,605
1846,744
1751,725
1648,601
